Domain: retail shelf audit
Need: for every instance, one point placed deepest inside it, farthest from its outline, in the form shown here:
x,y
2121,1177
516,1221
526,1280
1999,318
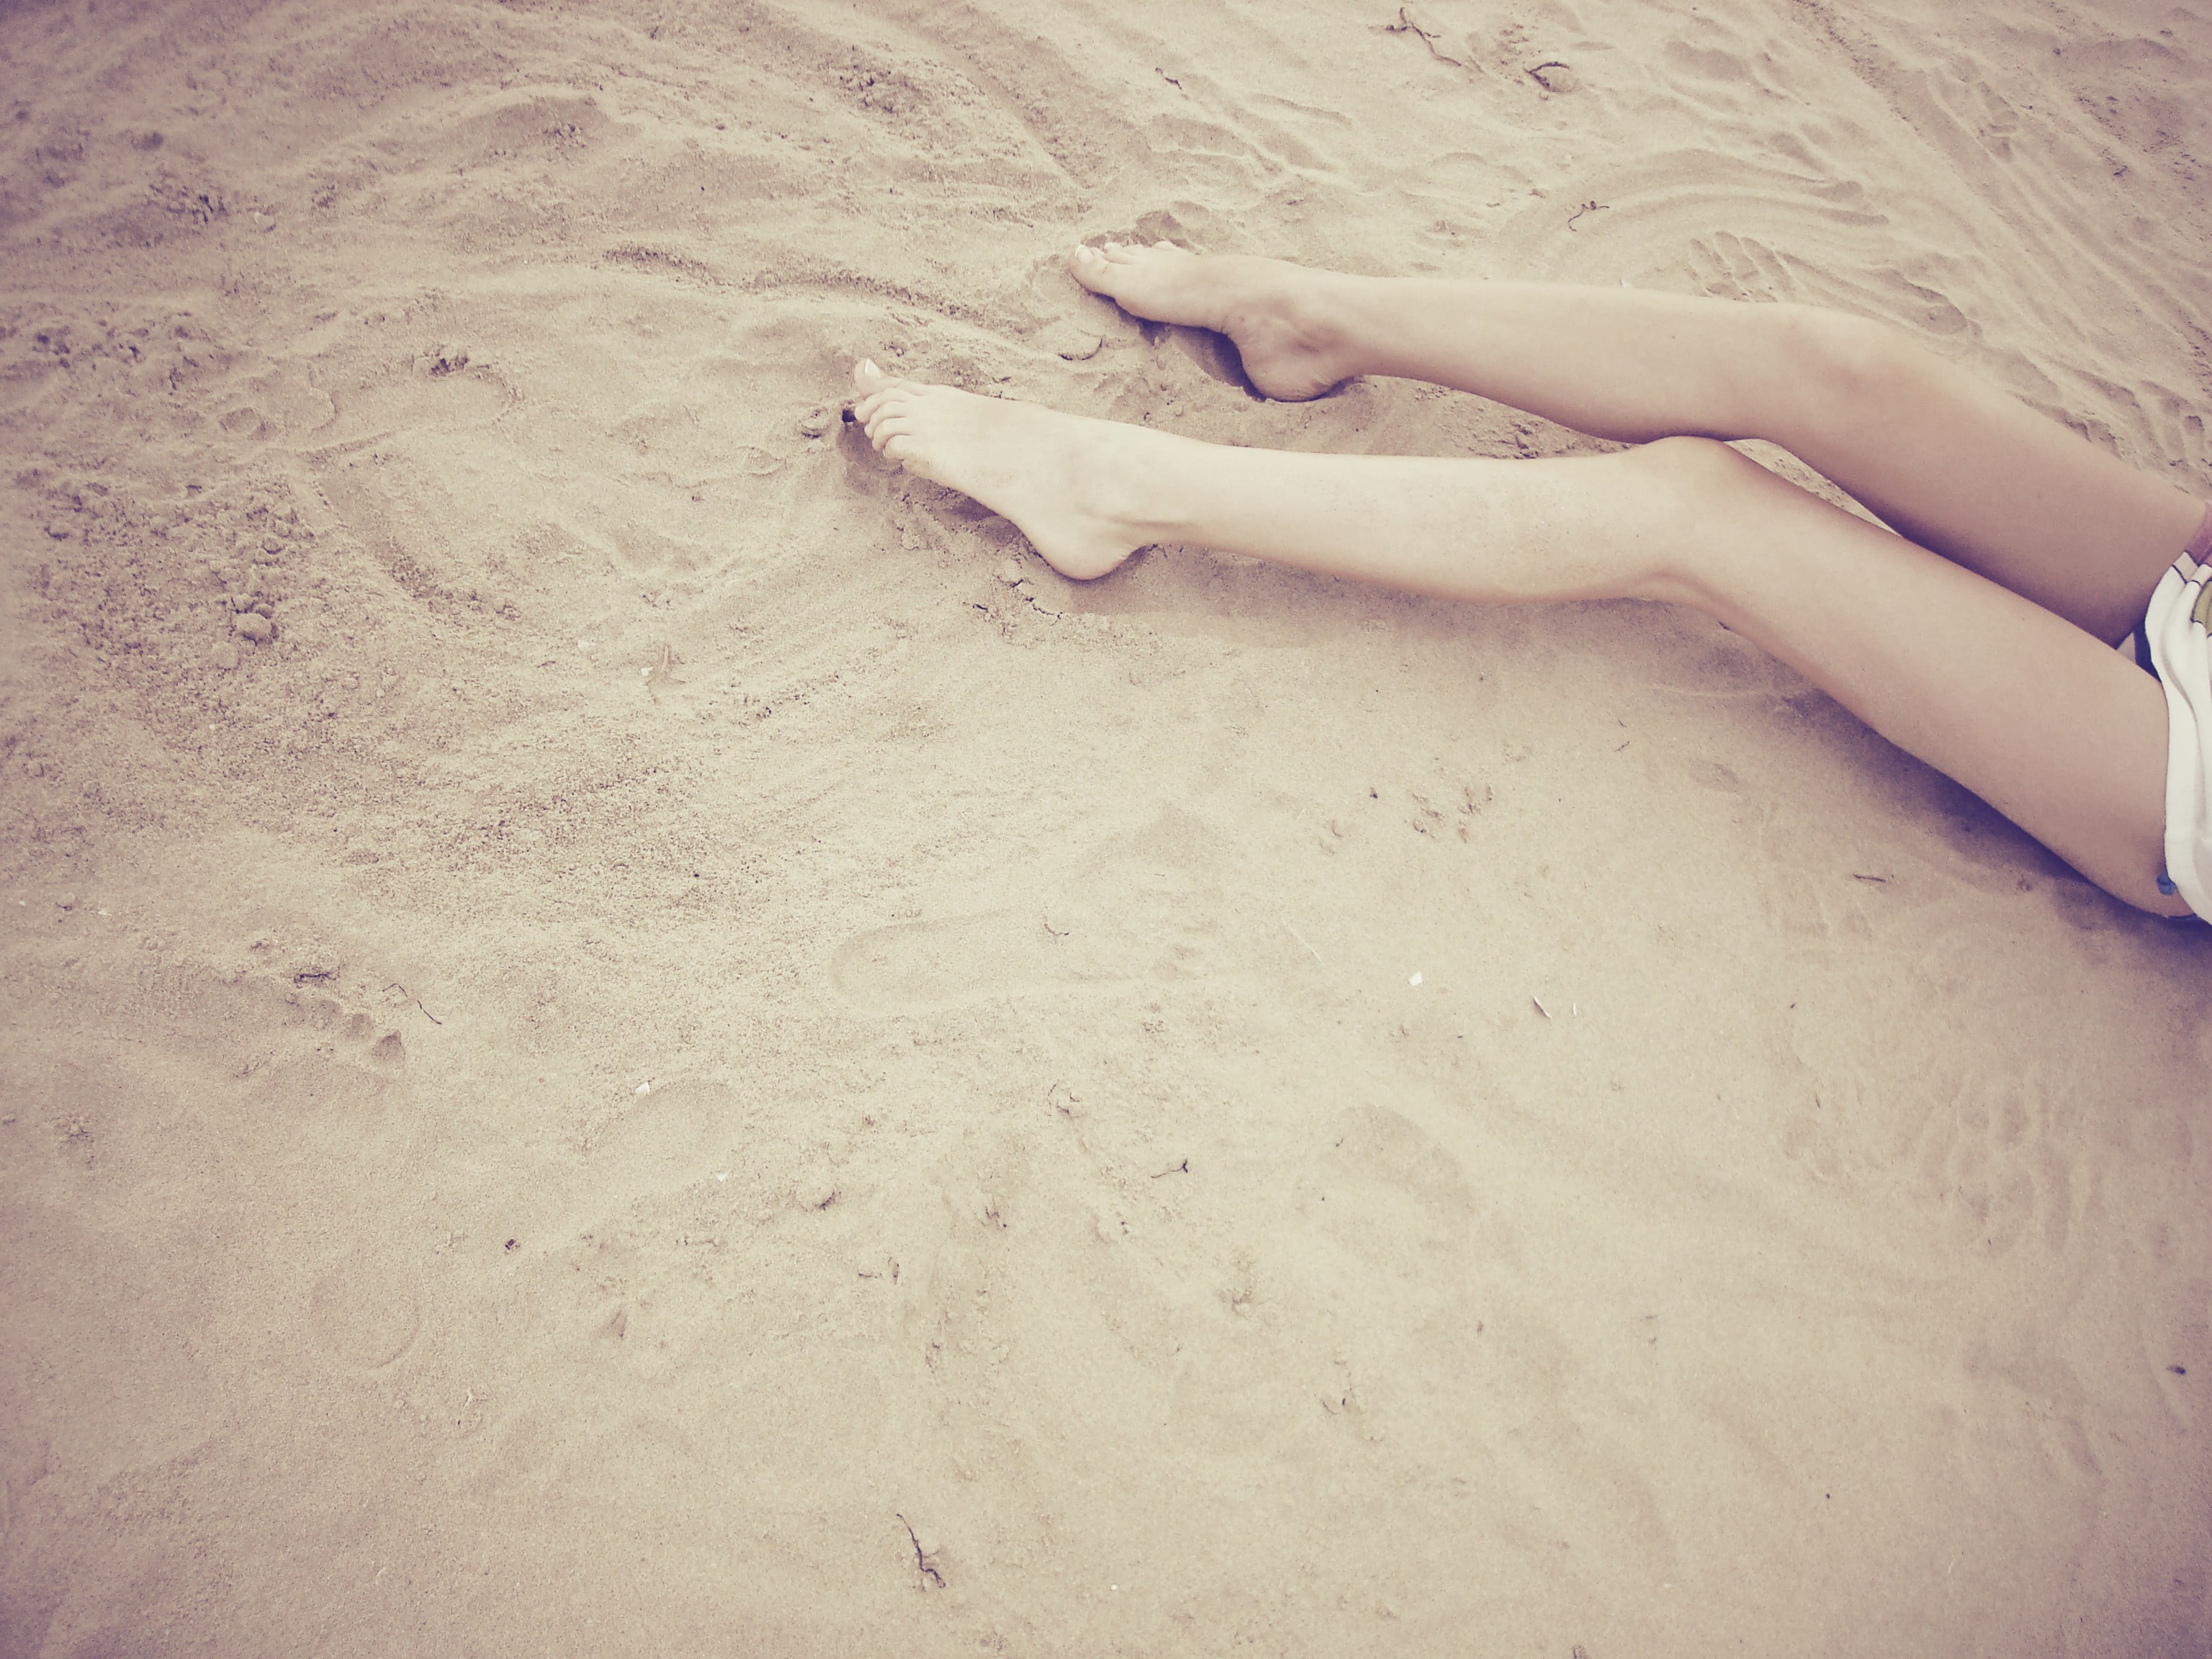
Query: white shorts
x,y
2175,629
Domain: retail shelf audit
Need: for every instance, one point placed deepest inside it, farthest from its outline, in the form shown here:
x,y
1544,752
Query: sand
x,y
629,1033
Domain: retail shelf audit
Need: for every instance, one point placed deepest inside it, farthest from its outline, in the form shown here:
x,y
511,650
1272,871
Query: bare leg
x,y
2020,706
1935,452
1549,529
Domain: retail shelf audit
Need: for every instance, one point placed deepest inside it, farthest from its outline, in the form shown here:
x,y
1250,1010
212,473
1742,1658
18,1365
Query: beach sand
x,y
629,1033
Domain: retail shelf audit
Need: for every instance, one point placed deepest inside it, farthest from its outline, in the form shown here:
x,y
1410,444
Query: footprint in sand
x,y
1391,1185
363,1312
282,403
676,1135
423,397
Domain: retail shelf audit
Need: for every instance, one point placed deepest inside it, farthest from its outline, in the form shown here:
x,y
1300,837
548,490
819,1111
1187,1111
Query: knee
x,y
1693,463
1693,478
1708,506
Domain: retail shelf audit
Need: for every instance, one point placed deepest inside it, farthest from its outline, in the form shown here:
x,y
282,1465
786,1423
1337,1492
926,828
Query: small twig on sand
x,y
1588,207
1405,24
404,992
923,1566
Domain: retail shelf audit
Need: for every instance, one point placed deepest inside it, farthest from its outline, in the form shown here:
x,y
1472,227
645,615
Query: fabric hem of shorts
x,y
2186,752
2183,742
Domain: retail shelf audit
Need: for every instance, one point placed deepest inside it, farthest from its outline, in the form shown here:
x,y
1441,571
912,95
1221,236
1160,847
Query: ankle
x,y
1348,313
1151,482
1313,307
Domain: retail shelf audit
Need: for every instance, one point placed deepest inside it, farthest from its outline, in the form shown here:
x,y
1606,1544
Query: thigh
x,y
1955,465
2031,713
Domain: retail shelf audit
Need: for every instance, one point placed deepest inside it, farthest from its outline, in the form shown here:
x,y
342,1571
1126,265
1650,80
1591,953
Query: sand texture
x,y
628,1033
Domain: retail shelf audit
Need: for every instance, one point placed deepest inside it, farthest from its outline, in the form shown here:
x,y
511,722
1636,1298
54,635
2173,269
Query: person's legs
x,y
1941,457
2015,703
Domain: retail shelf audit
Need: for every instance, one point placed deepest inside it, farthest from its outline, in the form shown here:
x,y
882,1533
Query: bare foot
x,y
1074,487
1277,312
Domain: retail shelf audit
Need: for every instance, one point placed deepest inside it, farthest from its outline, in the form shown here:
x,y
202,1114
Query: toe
x,y
867,377
1103,271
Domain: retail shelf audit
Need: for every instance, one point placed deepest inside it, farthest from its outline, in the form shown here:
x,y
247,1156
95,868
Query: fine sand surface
x,y
697,1055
